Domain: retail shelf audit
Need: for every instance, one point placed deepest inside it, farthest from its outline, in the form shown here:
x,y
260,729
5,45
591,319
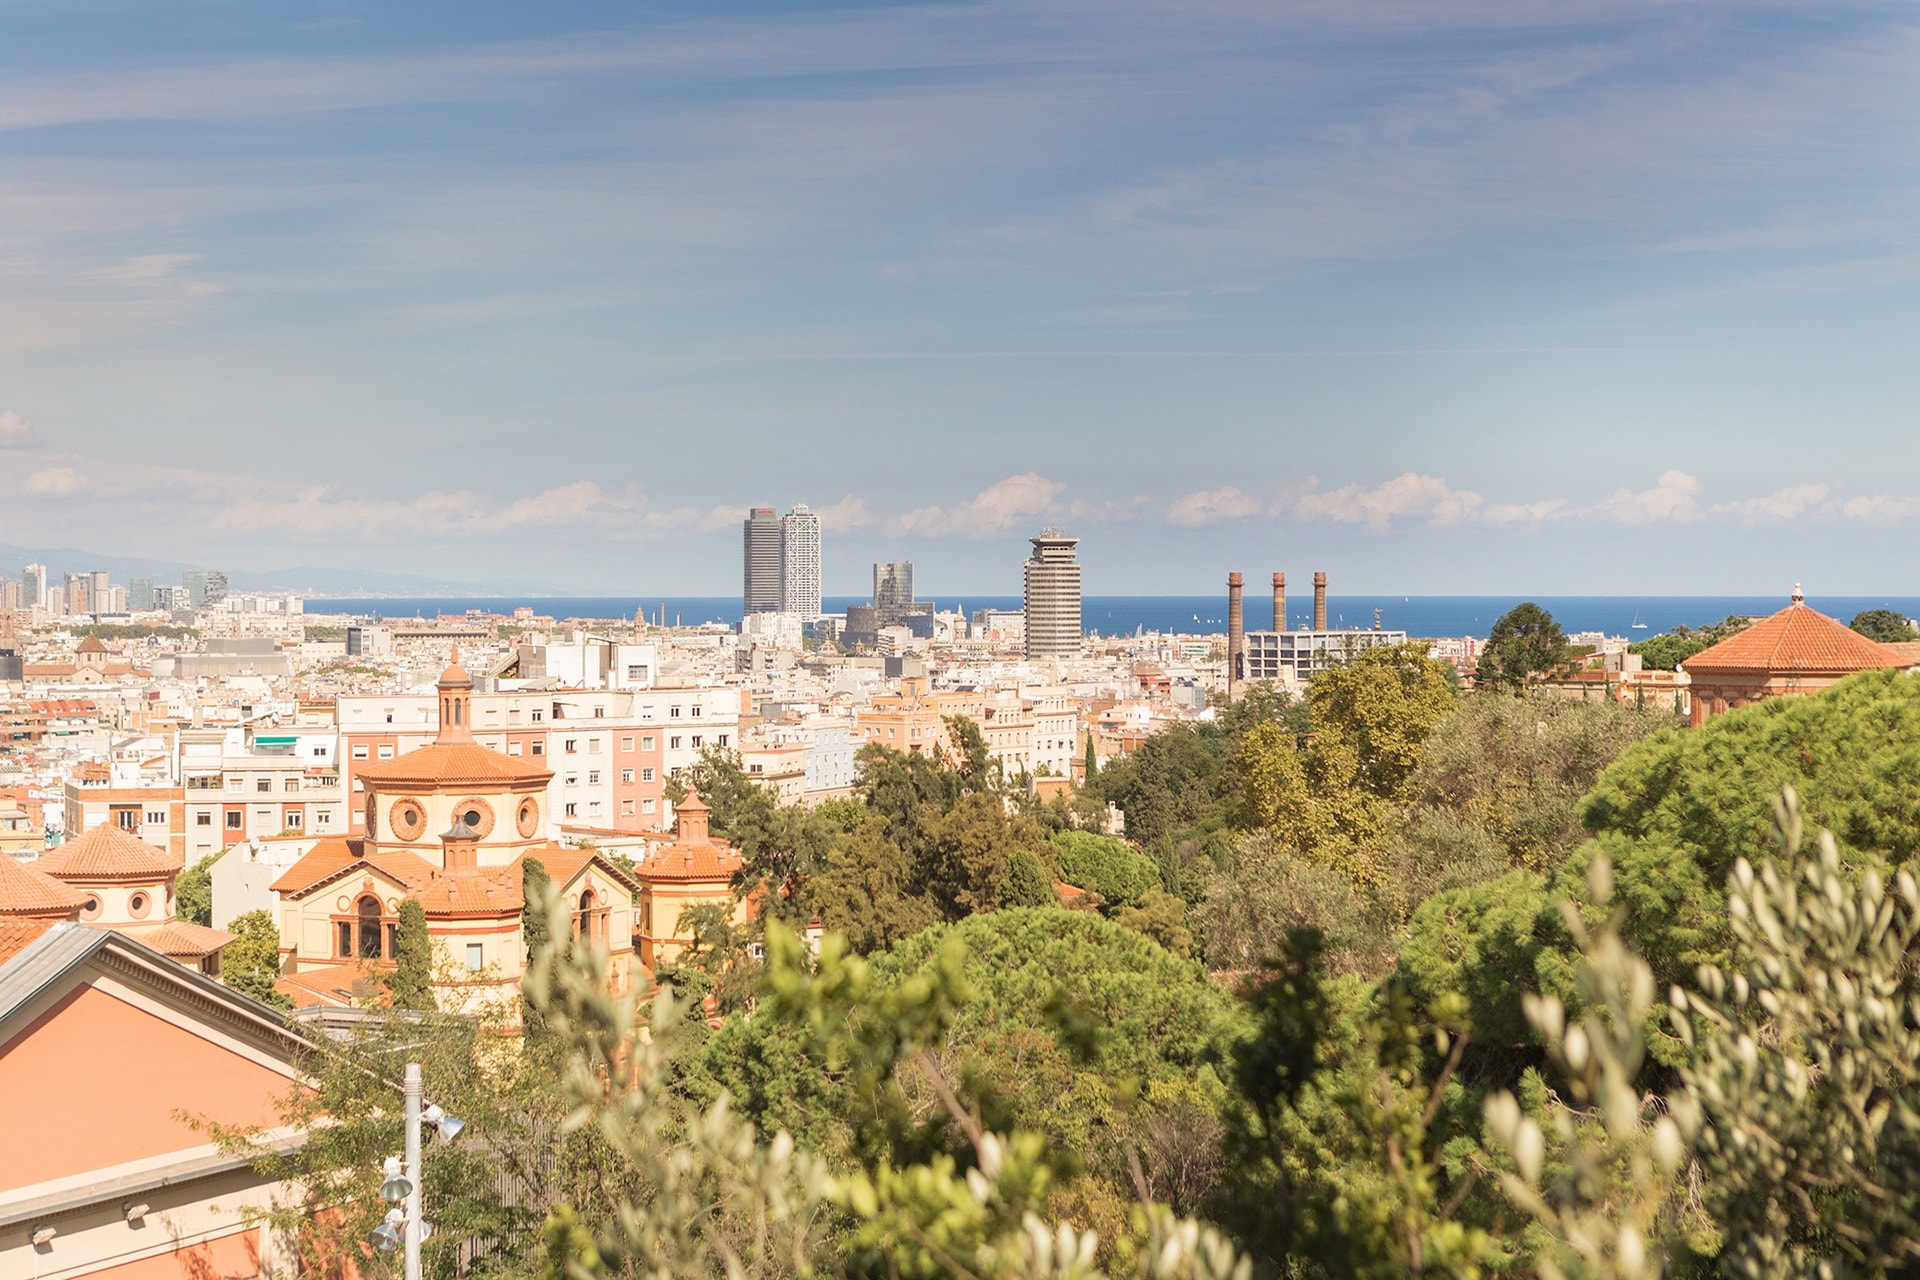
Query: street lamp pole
x,y
412,1093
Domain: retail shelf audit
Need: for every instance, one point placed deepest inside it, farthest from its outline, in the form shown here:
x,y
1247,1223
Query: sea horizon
x,y
1631,616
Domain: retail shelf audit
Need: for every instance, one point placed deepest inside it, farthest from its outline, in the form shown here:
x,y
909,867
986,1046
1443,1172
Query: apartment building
x,y
134,796
251,783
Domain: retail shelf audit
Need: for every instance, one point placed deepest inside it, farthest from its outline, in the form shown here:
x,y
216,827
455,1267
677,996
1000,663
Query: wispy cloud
x,y
15,429
994,510
1211,506
1674,497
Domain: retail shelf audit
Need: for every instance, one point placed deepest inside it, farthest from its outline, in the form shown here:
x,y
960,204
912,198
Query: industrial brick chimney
x,y
1279,602
1319,601
1236,636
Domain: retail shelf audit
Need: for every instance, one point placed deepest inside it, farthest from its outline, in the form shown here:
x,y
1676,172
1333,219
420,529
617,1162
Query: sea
x,y
1424,616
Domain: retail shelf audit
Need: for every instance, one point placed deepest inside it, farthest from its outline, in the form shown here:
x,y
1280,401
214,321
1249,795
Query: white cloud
x,y
52,482
15,429
1789,503
844,516
993,510
1880,508
1674,497
1411,495
1210,506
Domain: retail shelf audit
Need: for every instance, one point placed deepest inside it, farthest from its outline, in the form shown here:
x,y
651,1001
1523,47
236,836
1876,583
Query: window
x,y
636,671
573,746
320,751
599,713
513,716
593,808
538,715
697,709
626,808
344,941
393,940
203,820
673,743
476,957
673,713
646,743
235,783
369,914
721,739
573,810
513,748
389,716
626,775
559,712
295,820
646,713
386,751
156,817
573,779
626,744
646,806
539,748
360,753
593,777
234,819
646,775
291,784
593,746
263,784
698,739
323,819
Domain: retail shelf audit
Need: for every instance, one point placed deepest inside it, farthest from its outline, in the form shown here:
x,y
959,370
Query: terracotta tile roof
x,y
472,893
318,863
107,853
464,764
28,891
331,986
16,935
563,865
1907,651
90,645
178,938
690,863
1795,641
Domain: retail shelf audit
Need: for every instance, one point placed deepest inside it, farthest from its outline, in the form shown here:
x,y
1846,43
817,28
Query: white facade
x,y
1053,597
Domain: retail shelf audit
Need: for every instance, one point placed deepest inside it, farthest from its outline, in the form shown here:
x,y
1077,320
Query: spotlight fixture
x,y
389,1234
396,1187
448,1126
43,1235
135,1212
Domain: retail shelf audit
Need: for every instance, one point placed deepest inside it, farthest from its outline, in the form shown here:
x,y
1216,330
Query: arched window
x,y
369,928
583,922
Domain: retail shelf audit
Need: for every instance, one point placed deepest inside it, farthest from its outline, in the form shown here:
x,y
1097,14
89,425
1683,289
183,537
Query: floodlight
x,y
43,1235
396,1187
426,1231
448,1126
135,1212
386,1238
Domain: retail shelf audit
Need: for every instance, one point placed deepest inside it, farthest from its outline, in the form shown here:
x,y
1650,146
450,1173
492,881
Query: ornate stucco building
x,y
452,826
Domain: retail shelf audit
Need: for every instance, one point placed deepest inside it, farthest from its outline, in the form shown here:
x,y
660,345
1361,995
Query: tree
x,y
1162,917
1883,625
1092,764
1028,883
899,785
1525,642
536,886
1677,810
1266,892
193,891
1119,874
970,761
725,788
411,982
966,852
1666,651
865,890
250,964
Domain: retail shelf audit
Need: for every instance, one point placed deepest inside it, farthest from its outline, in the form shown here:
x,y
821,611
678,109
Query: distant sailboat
x,y
1637,624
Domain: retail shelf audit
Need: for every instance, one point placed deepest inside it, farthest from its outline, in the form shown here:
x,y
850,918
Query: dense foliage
x,y
1666,651
1525,643
1884,625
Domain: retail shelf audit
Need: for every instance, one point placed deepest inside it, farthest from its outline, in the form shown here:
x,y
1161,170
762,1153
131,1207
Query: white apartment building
x,y
250,783
800,562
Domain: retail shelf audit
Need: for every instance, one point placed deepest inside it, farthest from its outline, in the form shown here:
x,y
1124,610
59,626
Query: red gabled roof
x,y
16,935
107,853
336,857
691,863
180,939
1795,641
491,892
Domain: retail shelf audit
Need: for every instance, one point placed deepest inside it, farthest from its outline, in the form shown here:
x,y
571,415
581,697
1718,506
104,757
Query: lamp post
x,y
400,1186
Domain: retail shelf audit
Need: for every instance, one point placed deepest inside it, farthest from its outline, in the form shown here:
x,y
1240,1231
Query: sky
x,y
1447,296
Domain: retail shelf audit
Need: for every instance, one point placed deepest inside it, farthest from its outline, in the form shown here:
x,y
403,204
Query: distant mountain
x,y
61,561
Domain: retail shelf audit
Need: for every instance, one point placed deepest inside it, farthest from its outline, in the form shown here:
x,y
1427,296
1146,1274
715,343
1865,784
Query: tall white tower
x,y
800,562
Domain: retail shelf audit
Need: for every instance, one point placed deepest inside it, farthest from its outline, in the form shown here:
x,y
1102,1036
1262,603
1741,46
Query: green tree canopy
x,y
1883,625
1120,875
1525,642
193,891
250,964
1675,811
411,982
1029,883
1666,651
866,890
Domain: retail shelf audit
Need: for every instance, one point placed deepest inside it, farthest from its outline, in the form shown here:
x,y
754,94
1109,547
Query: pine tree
x,y
536,888
411,982
1093,766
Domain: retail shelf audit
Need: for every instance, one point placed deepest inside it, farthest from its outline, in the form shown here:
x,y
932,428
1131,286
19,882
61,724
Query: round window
x,y
90,909
476,815
528,819
139,905
409,820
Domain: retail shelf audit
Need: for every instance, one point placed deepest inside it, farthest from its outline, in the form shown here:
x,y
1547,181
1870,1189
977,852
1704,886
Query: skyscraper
x,y
140,594
196,584
892,590
800,562
760,584
216,586
1053,596
35,586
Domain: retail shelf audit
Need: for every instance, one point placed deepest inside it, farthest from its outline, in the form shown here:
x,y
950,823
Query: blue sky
x,y
1441,297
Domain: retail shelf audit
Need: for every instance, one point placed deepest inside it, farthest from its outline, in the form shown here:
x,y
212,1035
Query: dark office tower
x,y
140,594
760,586
1053,596
892,590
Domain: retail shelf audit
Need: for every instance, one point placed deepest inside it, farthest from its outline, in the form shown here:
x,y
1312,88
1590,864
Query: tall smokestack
x,y
1236,635
1279,602
1319,602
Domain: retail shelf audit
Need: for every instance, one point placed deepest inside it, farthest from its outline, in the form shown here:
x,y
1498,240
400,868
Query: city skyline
x,y
1472,299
